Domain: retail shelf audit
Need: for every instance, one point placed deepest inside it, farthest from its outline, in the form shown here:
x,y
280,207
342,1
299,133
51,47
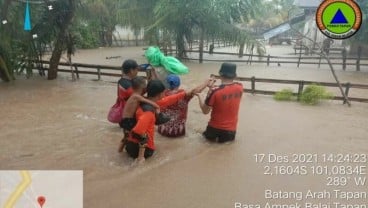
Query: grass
x,y
313,94
284,95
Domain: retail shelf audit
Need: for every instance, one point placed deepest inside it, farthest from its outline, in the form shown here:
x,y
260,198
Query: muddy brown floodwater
x,y
61,125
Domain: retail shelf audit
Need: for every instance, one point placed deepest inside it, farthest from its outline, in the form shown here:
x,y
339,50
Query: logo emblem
x,y
339,19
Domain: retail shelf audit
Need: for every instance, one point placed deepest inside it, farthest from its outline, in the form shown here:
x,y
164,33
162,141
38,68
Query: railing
x,y
301,83
253,80
344,60
76,67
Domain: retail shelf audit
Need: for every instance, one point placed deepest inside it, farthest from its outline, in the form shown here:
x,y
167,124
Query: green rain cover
x,y
169,63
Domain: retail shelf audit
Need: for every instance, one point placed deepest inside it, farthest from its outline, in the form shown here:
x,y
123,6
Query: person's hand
x,y
199,98
194,91
189,93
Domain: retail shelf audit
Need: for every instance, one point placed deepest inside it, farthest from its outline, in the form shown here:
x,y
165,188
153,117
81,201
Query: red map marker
x,y
41,200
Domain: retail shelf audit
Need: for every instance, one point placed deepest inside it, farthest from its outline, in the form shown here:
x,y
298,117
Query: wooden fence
x,y
98,70
301,84
343,60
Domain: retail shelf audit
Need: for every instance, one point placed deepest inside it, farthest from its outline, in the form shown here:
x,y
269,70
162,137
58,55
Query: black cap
x,y
155,87
228,70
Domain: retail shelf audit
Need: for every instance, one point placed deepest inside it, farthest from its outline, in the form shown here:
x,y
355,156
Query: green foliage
x,y
85,37
95,20
99,18
17,46
313,94
215,19
284,95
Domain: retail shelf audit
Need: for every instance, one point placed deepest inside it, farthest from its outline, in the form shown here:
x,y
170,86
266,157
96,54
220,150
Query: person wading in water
x,y
223,102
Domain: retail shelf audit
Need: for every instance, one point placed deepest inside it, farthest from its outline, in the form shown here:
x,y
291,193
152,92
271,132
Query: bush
x,y
86,37
284,95
313,94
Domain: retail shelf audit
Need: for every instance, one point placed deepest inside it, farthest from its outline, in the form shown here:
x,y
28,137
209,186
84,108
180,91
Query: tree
x,y
139,14
182,21
5,72
102,16
63,16
211,18
50,27
16,46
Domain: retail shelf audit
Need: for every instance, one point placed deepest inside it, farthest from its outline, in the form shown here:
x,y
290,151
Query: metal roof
x,y
276,31
307,3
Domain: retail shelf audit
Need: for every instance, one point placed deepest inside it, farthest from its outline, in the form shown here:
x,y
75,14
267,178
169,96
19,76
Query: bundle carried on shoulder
x,y
171,64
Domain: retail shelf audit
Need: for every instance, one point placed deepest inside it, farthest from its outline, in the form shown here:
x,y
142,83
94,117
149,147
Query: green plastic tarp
x,y
156,58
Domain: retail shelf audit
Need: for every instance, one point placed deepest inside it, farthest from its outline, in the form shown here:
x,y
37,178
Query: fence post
x,y
212,47
253,80
268,60
300,89
76,71
359,56
300,55
344,55
241,50
348,85
99,73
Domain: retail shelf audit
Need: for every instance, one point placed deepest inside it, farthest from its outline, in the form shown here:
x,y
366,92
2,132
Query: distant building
x,y
126,33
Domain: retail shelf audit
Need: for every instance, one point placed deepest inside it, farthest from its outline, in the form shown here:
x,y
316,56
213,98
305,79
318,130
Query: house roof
x,y
307,3
276,31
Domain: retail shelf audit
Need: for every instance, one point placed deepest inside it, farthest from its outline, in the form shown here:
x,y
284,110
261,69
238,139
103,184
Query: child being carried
x,y
139,87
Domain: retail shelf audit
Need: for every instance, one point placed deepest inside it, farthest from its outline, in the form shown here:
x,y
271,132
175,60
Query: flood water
x,y
61,125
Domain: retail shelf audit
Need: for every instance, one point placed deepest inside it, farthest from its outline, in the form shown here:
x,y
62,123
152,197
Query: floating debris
x,y
113,57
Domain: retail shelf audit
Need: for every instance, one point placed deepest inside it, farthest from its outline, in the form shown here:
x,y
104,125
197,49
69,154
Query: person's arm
x,y
140,98
172,99
207,83
153,73
205,108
